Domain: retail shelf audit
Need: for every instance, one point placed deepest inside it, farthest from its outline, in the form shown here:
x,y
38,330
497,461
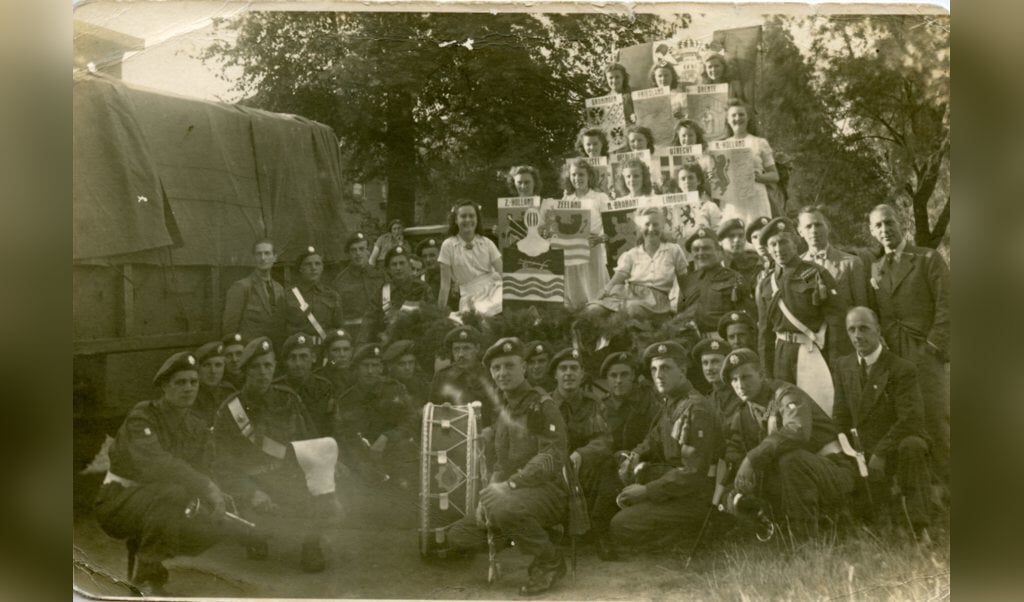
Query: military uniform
x,y
209,399
680,450
912,291
791,444
747,263
391,298
317,395
587,435
341,379
368,410
706,294
324,303
358,287
887,411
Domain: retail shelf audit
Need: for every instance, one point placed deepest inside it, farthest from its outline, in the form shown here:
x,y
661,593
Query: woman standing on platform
x,y
471,261
585,268
737,123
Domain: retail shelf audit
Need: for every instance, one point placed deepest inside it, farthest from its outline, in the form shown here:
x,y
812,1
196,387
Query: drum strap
x,y
385,297
267,445
309,313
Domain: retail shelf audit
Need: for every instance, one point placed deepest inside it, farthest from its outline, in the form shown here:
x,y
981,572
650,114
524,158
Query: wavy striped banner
x,y
533,287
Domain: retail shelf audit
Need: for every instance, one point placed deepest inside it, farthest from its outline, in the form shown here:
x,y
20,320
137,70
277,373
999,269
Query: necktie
x,y
863,372
270,293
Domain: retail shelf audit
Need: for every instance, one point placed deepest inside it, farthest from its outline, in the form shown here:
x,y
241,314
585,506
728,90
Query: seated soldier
x,y
629,410
310,306
738,257
337,367
528,491
234,344
784,447
709,355
738,329
315,391
465,381
400,364
710,290
213,390
401,292
589,441
877,397
375,422
670,471
538,357
157,471
258,435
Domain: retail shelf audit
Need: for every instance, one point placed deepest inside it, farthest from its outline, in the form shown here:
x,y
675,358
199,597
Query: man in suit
x,y
911,287
877,395
848,270
251,302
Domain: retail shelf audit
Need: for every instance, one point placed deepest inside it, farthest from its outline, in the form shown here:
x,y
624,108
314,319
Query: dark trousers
x,y
520,516
909,466
803,486
658,524
933,380
606,487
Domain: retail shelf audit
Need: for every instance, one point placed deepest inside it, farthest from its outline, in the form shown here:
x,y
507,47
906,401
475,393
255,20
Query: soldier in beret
x,y
358,284
629,411
250,304
538,358
158,467
466,380
213,390
337,368
402,292
252,434
709,355
783,447
400,364
311,307
800,327
738,329
428,251
672,466
315,391
375,422
738,258
527,490
234,345
710,290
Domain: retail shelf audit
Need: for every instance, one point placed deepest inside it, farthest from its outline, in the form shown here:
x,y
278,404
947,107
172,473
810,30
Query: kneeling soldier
x,y
157,471
785,447
528,491
673,464
315,391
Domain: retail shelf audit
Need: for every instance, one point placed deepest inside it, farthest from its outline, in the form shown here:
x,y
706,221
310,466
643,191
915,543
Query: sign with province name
x,y
670,159
681,214
732,177
706,104
568,226
512,218
619,158
653,108
603,171
684,53
608,113
532,269
617,219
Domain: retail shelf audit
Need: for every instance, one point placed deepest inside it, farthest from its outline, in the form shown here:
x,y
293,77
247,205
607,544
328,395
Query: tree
x,y
436,103
885,81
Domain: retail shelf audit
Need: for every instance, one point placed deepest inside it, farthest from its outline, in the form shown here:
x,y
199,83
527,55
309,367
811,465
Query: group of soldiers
x,y
805,387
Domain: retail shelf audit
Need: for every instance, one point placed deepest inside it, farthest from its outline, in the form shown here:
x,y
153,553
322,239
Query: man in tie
x,y
250,304
848,270
878,397
911,287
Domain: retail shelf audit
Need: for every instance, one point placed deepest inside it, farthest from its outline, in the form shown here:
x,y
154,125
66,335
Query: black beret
x,y
398,349
430,243
728,226
462,334
710,347
737,358
755,226
503,347
336,335
353,239
621,357
234,338
183,360
366,352
665,349
776,226
255,348
536,348
299,339
304,253
735,317
565,355
701,232
399,250
209,350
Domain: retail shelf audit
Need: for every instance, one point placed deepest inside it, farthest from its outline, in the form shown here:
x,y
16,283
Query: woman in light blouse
x,y
586,272
471,261
737,123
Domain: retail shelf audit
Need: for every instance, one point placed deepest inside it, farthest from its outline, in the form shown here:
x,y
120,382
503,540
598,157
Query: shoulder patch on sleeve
x,y
551,427
146,431
791,405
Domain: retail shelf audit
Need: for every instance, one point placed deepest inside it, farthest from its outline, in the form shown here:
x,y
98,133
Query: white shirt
x,y
871,358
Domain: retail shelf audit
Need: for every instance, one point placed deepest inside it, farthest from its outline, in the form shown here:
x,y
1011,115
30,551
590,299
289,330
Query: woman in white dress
x,y
586,270
471,261
737,123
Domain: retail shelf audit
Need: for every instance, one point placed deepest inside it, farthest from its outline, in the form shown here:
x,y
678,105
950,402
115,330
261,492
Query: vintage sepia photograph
x,y
511,301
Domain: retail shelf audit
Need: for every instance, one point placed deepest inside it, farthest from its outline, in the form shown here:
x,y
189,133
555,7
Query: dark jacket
x,y
706,294
248,308
913,301
317,395
530,439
